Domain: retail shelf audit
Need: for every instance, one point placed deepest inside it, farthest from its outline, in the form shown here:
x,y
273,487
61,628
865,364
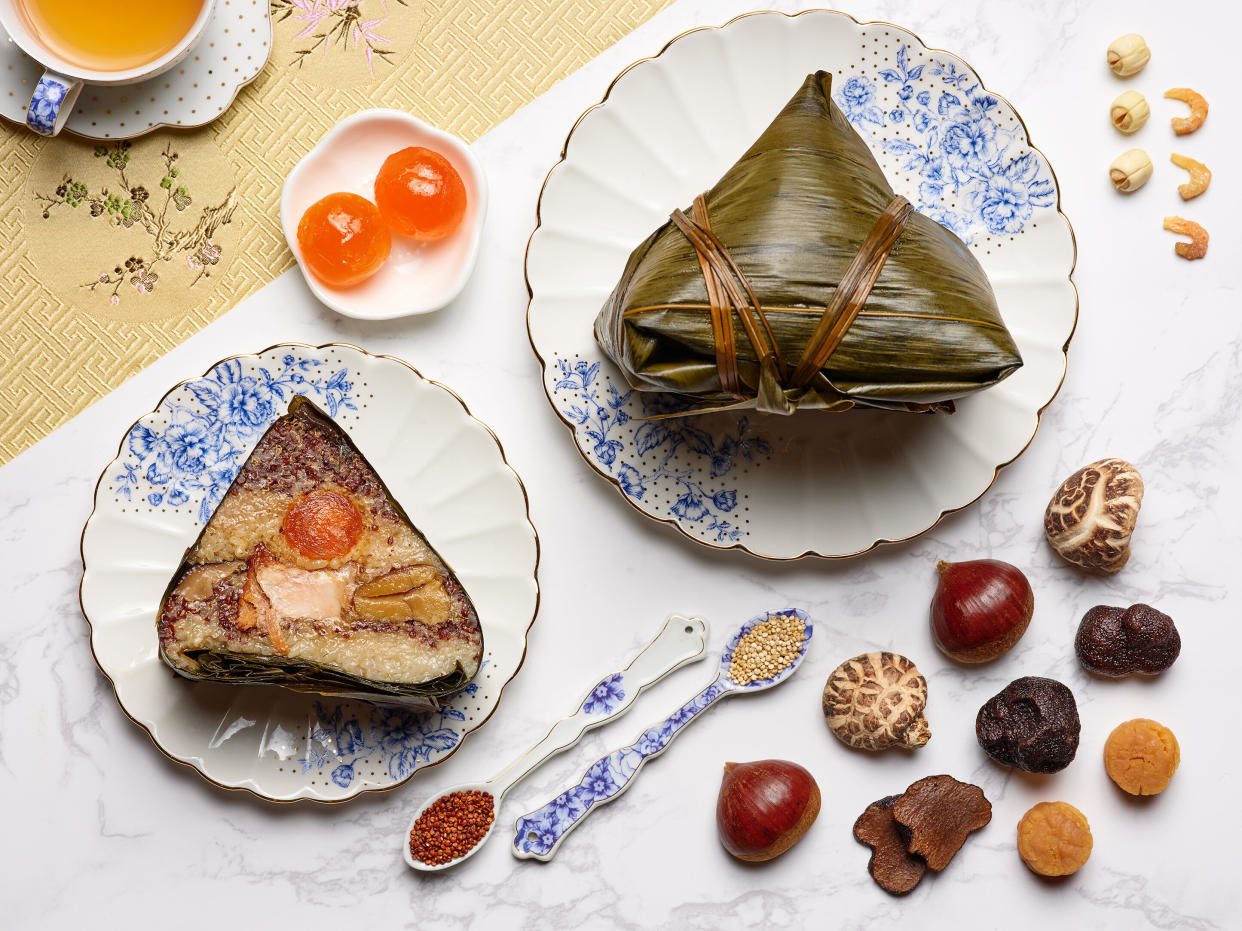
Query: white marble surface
x,y
101,827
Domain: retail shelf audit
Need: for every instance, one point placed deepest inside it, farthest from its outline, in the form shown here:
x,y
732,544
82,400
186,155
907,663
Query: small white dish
x,y
418,277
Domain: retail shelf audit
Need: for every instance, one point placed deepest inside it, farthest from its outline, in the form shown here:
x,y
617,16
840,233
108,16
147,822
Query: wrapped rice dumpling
x,y
309,575
801,281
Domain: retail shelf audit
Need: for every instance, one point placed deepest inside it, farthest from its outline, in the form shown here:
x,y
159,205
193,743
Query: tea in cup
x,y
97,42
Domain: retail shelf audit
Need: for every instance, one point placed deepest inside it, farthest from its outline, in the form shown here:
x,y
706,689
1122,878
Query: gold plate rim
x,y
526,633
741,546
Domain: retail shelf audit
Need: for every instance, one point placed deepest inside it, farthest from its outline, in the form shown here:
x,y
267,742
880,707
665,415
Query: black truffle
x,y
1031,724
1116,642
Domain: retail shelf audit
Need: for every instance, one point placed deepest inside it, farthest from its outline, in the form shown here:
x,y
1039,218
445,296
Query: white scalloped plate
x,y
826,484
447,470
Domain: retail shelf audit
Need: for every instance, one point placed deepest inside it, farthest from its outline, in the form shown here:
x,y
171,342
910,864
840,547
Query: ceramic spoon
x,y
682,640
539,833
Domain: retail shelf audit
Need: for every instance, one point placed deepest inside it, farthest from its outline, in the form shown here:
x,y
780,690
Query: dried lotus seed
x,y
1128,55
1129,112
1130,170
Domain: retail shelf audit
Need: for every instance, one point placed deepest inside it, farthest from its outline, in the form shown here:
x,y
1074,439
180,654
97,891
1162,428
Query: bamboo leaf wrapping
x,y
793,212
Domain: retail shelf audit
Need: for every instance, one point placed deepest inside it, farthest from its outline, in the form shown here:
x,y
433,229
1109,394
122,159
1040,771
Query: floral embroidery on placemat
x,y
345,41
173,232
147,223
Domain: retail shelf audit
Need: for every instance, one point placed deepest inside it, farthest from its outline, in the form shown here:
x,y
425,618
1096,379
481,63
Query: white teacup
x,y
54,95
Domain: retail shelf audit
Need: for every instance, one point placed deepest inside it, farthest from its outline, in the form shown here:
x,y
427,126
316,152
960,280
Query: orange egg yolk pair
x,y
345,238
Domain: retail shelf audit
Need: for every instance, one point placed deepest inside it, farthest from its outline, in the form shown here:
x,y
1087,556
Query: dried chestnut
x,y
1116,642
1031,724
1141,756
1054,839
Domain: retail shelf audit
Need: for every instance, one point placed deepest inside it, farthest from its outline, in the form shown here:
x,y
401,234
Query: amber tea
x,y
110,35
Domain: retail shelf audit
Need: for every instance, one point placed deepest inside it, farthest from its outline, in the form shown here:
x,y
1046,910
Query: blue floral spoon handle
x,y
539,833
682,640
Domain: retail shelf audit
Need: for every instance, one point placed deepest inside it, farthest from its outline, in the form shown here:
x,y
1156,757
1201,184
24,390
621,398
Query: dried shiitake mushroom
x,y
412,593
876,701
1090,519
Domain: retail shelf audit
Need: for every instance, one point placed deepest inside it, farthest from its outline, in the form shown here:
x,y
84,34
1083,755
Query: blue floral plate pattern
x,y
173,468
539,833
825,484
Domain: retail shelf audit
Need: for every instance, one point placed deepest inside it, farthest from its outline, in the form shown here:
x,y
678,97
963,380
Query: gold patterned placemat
x,y
121,250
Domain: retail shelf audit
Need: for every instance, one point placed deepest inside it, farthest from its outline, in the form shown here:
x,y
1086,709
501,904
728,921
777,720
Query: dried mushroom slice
x,y
937,814
875,701
892,866
412,593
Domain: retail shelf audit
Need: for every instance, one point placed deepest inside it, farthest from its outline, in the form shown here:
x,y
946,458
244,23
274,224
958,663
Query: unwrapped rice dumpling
x,y
801,281
309,575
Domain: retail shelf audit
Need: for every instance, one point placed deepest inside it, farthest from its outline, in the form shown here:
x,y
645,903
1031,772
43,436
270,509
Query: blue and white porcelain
x,y
539,833
230,42
815,483
174,465
680,641
51,103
